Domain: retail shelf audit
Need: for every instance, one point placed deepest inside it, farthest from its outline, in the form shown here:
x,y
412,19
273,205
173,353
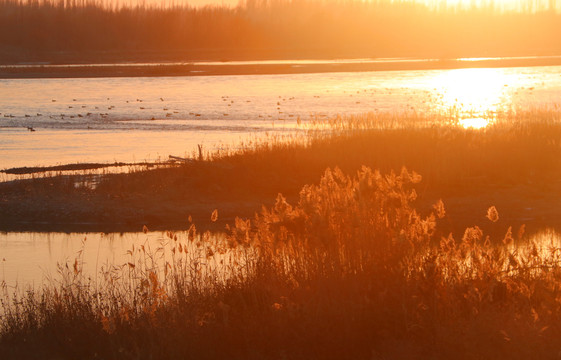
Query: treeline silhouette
x,y
94,31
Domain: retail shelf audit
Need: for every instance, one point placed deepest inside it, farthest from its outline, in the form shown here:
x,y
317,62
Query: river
x,y
133,119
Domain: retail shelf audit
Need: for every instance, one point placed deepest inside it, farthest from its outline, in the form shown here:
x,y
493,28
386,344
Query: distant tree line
x,y
90,30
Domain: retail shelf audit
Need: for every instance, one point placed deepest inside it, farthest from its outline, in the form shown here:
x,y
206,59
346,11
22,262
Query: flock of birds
x,y
92,111
278,108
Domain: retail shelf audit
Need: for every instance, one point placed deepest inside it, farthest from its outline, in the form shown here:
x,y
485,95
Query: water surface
x,y
35,259
136,119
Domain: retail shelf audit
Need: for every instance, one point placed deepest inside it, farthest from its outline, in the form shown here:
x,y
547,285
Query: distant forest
x,y
90,31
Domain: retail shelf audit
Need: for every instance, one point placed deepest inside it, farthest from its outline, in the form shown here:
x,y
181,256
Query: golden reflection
x,y
474,96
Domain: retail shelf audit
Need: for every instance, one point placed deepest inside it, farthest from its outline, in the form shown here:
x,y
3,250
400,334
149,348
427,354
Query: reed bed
x,y
350,270
350,262
517,147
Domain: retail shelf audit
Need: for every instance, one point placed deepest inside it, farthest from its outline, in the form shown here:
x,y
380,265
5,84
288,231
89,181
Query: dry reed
x,y
352,270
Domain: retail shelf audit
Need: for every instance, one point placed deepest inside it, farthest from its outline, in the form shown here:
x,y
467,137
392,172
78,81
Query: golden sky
x,y
507,5
180,2
519,5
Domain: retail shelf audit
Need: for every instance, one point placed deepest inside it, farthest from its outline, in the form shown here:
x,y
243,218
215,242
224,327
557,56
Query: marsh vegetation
x,y
352,270
432,260
511,164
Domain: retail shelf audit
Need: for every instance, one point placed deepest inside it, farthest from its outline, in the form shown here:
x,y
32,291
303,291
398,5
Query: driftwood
x,y
177,158
187,160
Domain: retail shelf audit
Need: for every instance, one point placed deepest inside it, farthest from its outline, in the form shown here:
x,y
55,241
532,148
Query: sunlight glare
x,y
474,123
474,96
501,5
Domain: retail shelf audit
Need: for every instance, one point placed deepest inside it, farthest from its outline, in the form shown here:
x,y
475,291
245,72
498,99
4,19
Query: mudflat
x,y
48,205
195,68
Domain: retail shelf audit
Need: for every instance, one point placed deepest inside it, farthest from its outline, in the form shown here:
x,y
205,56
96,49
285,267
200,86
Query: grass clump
x,y
351,270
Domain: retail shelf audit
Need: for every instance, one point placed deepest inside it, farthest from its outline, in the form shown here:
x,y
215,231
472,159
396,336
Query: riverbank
x,y
270,67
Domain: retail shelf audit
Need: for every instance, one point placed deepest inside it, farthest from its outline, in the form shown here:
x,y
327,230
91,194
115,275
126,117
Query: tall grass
x,y
92,31
351,270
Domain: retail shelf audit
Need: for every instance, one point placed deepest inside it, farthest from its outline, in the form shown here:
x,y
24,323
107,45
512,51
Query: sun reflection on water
x,y
474,96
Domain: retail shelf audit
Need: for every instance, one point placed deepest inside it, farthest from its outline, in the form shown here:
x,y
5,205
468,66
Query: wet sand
x,y
225,68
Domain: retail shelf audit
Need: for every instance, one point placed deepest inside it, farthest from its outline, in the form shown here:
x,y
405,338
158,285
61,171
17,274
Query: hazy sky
x,y
499,4
191,2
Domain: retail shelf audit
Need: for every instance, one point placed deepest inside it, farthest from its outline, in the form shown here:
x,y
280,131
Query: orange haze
x,y
91,31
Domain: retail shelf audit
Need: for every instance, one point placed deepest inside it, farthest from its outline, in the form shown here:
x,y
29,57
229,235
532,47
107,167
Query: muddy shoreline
x,y
196,69
53,205
28,170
